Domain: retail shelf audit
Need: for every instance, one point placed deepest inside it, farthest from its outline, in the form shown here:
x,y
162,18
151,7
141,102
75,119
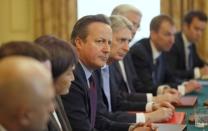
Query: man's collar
x,y
187,43
88,72
105,66
155,52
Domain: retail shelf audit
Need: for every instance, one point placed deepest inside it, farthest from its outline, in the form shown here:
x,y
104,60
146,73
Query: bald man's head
x,y
26,94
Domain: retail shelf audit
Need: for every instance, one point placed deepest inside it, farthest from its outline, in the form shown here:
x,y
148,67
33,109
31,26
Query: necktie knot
x,y
92,81
157,60
190,46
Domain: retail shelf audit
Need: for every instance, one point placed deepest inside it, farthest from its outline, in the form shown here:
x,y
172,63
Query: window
x,y
149,9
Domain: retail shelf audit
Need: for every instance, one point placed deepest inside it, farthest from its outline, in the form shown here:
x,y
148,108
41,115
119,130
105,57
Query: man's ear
x,y
186,26
78,43
24,116
153,34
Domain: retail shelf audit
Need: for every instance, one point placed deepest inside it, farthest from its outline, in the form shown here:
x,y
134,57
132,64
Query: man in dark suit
x,y
183,59
148,58
91,36
135,86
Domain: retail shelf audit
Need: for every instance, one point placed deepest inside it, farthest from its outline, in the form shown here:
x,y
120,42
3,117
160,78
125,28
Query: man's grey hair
x,y
125,8
118,22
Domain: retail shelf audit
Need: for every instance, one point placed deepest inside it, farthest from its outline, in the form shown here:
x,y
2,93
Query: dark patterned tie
x,y
190,57
93,99
156,73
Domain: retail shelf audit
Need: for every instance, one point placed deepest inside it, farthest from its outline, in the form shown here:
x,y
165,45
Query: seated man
x,y
26,94
148,58
183,60
113,95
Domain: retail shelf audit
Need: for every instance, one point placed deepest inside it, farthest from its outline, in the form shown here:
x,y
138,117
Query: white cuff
x,y
148,107
149,97
161,88
182,89
197,73
140,117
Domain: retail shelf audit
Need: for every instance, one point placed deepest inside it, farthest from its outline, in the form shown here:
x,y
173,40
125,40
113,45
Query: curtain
x,y
55,17
178,8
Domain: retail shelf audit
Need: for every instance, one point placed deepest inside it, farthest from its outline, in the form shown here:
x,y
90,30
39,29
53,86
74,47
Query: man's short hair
x,y
194,14
118,22
125,8
157,21
81,27
24,48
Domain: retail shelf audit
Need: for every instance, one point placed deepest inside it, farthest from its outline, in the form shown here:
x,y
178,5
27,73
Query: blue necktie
x,y
106,86
93,99
156,71
190,57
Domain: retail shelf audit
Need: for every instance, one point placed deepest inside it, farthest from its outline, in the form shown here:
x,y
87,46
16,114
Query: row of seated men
x,y
139,79
109,80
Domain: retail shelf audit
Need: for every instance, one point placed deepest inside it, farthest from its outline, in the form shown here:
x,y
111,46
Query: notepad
x,y
187,101
178,118
170,127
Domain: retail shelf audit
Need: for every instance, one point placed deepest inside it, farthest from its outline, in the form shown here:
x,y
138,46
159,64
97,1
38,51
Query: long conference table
x,y
202,96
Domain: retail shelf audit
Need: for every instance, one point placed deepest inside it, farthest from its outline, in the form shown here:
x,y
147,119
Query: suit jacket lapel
x,y
117,70
80,74
53,125
149,53
62,115
181,48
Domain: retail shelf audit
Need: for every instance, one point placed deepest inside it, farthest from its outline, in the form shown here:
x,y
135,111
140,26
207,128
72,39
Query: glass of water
x,y
201,117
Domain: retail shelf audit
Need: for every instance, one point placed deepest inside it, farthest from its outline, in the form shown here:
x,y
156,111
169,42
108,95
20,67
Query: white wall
x,y
149,9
